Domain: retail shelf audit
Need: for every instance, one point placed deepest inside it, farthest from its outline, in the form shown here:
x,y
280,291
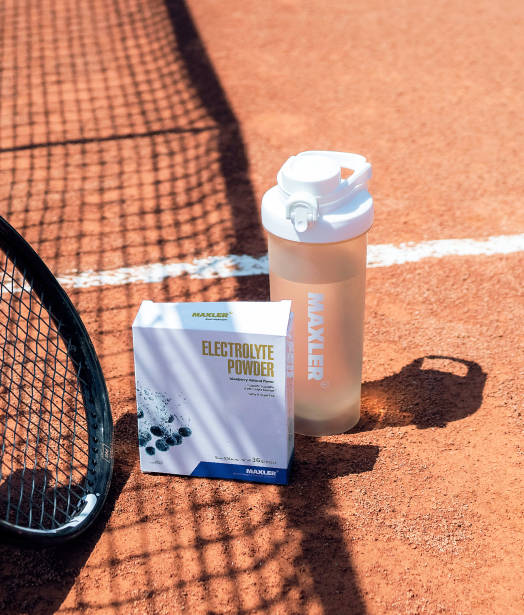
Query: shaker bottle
x,y
317,226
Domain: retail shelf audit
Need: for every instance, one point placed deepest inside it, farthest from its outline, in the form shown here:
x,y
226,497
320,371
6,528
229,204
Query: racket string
x,y
46,459
36,342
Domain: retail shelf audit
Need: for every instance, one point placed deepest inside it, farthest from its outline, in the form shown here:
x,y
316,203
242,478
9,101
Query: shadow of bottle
x,y
39,581
421,394
324,558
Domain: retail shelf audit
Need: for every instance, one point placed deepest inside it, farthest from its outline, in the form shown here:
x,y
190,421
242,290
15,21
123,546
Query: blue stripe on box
x,y
210,469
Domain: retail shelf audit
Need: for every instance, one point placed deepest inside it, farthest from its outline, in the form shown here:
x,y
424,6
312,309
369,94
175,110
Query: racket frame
x,y
93,387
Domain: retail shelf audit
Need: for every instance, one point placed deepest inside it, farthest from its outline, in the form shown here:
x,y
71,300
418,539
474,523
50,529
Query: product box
x,y
214,389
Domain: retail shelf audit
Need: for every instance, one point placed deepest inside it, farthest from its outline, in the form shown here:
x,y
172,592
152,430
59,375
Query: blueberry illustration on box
x,y
214,389
156,419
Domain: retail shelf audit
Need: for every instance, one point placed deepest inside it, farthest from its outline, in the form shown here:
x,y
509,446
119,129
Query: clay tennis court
x,y
144,132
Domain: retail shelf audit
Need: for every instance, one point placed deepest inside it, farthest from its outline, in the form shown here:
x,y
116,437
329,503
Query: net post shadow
x,y
39,581
335,585
234,164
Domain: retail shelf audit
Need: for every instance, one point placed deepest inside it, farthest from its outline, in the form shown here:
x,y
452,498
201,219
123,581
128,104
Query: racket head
x,y
56,428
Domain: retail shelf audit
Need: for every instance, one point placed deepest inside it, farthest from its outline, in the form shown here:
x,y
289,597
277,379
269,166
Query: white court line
x,y
386,255
383,255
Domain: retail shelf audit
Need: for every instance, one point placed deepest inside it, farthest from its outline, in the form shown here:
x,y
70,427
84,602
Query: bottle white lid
x,y
312,204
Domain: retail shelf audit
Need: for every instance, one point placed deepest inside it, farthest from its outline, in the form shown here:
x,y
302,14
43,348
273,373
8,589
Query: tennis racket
x,y
56,429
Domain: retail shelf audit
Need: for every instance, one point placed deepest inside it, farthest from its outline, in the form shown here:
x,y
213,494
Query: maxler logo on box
x,y
261,472
210,315
214,386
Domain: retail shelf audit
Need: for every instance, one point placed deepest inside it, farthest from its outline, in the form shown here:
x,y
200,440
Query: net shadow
x,y
119,149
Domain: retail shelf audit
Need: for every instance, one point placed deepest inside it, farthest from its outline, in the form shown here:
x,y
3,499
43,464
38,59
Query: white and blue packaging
x,y
214,389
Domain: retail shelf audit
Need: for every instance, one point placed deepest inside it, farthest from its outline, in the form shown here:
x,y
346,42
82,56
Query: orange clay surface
x,y
144,131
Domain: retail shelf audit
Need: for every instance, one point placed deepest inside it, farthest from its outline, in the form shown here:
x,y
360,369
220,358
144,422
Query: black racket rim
x,y
95,395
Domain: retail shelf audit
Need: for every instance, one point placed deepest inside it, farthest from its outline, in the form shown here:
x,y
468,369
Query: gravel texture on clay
x,y
145,131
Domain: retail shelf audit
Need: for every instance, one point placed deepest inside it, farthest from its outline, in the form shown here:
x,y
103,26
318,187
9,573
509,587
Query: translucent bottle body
x,y
326,284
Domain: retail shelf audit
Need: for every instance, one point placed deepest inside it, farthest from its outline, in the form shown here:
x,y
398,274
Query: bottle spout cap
x,y
302,210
